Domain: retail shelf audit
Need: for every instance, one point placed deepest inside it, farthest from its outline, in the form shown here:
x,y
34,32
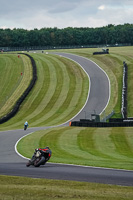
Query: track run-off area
x,y
98,97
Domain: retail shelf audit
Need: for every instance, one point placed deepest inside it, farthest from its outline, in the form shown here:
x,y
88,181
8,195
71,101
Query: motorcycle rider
x,y
46,152
26,124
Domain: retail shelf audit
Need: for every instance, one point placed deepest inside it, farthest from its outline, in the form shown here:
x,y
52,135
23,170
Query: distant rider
x,y
26,124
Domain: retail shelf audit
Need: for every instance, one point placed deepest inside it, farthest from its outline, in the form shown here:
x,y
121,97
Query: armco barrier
x,y
116,120
24,95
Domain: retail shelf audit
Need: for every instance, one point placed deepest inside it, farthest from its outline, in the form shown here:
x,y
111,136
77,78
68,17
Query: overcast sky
x,y
30,14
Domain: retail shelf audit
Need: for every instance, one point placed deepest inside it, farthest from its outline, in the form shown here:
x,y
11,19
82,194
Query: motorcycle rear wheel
x,y
39,161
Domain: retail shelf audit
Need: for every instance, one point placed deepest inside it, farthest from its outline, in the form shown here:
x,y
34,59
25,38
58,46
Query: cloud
x,y
63,6
102,7
30,14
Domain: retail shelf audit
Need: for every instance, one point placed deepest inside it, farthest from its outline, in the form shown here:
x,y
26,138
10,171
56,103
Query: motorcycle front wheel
x,y
28,163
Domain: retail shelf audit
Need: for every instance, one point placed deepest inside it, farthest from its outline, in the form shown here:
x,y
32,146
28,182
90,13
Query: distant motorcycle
x,y
40,157
25,127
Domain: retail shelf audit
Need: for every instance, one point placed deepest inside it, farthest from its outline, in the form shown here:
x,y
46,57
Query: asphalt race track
x,y
13,164
99,86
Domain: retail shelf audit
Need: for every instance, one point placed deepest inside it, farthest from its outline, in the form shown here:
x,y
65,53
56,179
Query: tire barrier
x,y
105,51
121,120
124,91
24,95
125,123
114,122
96,53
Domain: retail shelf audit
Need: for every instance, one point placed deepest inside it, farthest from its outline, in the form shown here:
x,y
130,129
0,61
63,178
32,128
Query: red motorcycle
x,y
40,157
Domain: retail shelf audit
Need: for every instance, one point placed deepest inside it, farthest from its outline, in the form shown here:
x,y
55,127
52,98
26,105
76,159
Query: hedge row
x,y
24,95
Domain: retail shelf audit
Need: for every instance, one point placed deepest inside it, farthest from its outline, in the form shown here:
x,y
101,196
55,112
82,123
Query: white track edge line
x,y
17,144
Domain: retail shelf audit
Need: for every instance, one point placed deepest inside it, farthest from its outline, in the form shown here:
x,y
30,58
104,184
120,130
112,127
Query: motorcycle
x,y
25,127
37,159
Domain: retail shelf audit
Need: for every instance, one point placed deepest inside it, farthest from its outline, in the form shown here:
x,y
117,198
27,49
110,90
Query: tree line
x,y
111,34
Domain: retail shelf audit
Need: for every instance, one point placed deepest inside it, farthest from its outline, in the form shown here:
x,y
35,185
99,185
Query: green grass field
x,y
62,86
60,92
102,147
14,188
12,83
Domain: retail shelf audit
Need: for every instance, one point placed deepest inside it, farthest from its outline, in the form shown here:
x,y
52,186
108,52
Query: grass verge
x,y
14,188
60,92
62,87
12,82
101,147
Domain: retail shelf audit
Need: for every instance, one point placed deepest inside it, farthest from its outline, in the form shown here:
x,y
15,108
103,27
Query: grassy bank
x,y
12,82
102,147
14,188
60,92
62,87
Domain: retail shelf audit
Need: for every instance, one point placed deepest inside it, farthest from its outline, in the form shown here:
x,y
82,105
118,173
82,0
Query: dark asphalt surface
x,y
12,164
